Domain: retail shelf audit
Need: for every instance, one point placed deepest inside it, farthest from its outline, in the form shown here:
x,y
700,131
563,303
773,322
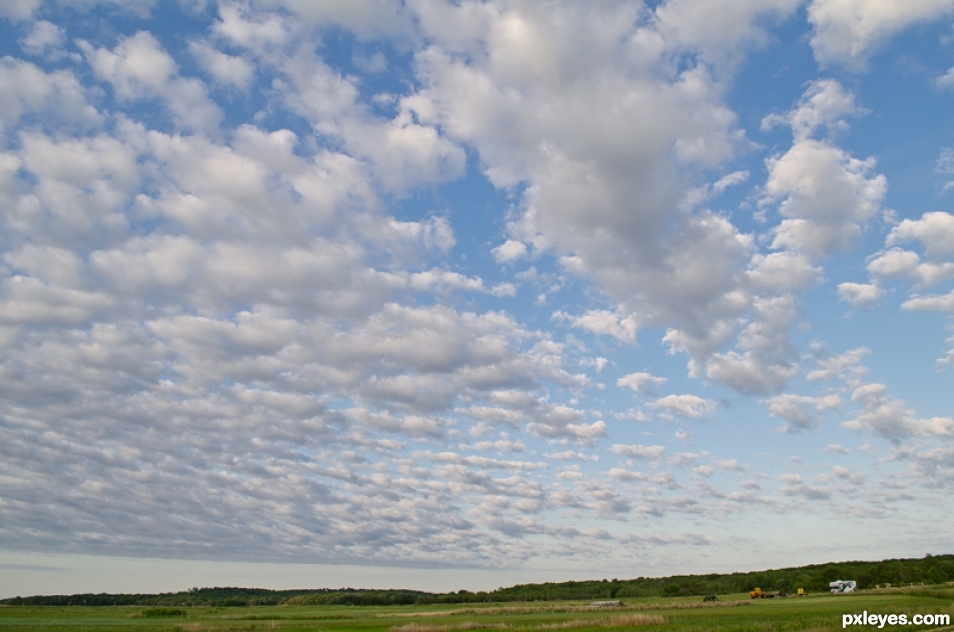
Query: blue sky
x,y
464,294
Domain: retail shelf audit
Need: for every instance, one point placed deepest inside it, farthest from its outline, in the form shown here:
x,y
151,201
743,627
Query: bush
x,y
163,613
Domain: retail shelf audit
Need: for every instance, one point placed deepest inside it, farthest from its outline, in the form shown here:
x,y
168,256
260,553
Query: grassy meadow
x,y
731,613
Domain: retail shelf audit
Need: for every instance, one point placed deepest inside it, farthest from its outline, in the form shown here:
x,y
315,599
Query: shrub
x,y
163,613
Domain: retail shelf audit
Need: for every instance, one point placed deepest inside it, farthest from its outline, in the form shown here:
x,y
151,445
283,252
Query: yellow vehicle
x,y
758,593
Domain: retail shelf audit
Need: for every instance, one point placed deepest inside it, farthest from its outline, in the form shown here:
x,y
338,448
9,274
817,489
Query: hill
x,y
813,578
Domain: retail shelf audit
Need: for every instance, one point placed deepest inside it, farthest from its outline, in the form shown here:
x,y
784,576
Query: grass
x,y
623,621
733,613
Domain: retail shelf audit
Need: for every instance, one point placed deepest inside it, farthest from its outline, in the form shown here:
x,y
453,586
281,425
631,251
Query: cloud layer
x,y
443,284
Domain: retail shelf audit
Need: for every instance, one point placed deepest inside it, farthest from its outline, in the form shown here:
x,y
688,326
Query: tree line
x,y
229,596
813,578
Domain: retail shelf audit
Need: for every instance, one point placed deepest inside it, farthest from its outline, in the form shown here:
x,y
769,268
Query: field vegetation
x,y
732,613
906,586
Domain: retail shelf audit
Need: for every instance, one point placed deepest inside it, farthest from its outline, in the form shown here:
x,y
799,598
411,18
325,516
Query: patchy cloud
x,y
691,406
388,284
849,32
801,412
641,382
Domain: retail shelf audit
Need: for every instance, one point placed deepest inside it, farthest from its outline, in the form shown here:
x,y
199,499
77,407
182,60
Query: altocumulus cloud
x,y
441,284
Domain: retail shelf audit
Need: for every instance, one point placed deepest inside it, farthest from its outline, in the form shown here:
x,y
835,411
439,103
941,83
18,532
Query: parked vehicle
x,y
843,586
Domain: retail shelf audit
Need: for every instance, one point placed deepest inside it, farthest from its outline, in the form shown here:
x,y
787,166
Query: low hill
x,y
813,578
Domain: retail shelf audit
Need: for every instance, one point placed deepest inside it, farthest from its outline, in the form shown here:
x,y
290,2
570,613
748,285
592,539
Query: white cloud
x,y
401,151
233,308
826,197
444,280
766,363
599,202
855,478
730,180
27,301
604,323
848,32
259,32
860,294
683,458
365,17
139,68
639,451
626,475
720,28
248,303
225,69
825,103
932,462
945,165
641,382
25,88
432,232
692,279
949,358
19,9
562,423
801,412
906,264
691,406
895,262
930,303
935,230
81,189
891,418
845,366
44,39
782,271
599,363
510,250
946,80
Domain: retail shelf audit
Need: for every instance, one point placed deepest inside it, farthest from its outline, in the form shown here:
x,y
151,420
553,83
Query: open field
x,y
730,613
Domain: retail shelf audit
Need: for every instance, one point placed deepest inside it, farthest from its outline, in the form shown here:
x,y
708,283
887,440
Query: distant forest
x,y
814,578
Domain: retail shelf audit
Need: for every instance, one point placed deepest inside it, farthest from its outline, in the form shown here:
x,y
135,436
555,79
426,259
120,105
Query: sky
x,y
461,294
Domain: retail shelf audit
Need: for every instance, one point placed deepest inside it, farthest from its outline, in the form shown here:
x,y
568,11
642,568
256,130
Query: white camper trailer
x,y
843,586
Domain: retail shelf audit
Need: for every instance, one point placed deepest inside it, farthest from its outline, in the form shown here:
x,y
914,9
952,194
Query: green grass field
x,y
730,613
